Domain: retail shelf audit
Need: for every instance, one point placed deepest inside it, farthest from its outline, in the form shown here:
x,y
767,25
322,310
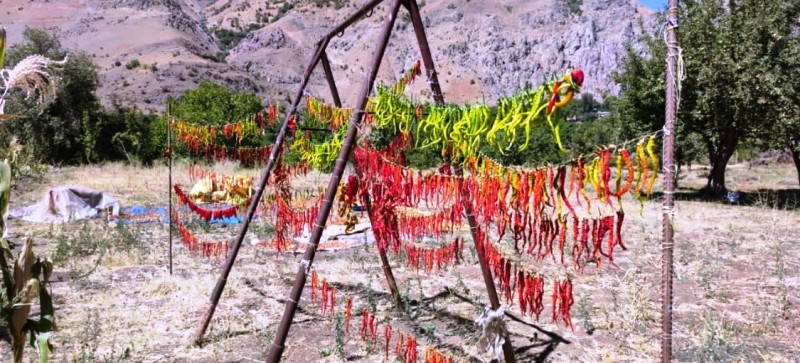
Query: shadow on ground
x,y
784,199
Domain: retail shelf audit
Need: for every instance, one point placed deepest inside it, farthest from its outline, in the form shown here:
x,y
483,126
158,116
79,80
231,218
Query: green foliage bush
x,y
133,63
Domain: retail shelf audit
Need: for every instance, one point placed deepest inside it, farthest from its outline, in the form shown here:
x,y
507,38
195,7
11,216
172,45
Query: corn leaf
x,y
2,47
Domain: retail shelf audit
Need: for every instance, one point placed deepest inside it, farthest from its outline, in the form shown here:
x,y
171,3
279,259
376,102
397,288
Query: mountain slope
x,y
482,49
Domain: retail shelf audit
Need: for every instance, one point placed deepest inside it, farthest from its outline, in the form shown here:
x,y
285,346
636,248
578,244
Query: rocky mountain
x,y
148,50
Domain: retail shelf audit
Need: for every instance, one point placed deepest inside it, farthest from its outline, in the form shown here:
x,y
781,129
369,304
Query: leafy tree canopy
x,y
742,61
213,104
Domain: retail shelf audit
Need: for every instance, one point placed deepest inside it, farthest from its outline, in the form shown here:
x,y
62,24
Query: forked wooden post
x,y
276,351
427,59
251,209
668,244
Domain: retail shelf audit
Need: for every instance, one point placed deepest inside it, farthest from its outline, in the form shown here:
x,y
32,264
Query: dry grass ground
x,y
736,286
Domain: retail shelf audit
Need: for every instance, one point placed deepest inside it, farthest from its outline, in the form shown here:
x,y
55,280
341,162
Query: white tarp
x,y
66,203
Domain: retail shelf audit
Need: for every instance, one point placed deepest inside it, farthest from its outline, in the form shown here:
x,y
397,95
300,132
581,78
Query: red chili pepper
x,y
553,97
324,295
562,173
399,345
364,323
620,219
577,77
347,315
387,333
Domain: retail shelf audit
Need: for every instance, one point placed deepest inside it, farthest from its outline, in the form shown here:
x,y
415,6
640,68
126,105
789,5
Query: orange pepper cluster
x,y
432,355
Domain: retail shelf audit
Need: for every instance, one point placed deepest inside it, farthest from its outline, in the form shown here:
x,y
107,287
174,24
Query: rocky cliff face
x,y
483,49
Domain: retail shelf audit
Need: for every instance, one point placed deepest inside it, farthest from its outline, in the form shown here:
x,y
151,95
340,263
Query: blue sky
x,y
654,4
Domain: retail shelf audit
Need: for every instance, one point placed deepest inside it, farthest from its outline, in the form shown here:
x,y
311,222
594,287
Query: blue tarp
x,y
145,214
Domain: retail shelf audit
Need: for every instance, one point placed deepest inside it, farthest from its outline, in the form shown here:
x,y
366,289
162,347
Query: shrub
x,y
133,63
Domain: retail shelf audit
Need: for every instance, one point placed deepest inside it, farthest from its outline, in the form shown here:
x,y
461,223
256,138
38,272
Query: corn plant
x,y
29,75
23,279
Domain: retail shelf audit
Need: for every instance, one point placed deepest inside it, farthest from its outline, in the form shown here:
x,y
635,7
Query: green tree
x,y
133,137
208,104
742,64
213,104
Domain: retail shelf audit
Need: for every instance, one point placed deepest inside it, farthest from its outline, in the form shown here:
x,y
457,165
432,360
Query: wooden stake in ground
x,y
169,187
669,180
276,351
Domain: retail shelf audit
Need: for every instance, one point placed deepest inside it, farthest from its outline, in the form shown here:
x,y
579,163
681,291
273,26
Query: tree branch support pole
x,y
433,80
276,351
387,268
251,209
668,243
169,187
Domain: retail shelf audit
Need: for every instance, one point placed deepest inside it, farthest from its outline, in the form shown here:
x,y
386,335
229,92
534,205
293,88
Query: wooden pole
x,y
276,351
668,243
169,187
387,268
433,79
216,294
326,67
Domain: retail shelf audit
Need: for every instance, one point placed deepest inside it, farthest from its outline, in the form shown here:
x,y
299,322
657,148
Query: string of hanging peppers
x,y
246,155
433,259
432,188
208,134
202,140
433,355
204,213
460,131
512,278
337,117
324,154
206,248
334,117
417,227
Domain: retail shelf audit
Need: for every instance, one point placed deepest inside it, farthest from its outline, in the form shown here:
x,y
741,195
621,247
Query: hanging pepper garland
x,y
348,313
204,213
562,302
332,116
206,248
462,130
205,135
433,259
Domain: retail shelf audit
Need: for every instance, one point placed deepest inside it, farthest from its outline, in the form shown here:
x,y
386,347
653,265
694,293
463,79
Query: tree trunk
x,y
719,161
794,147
